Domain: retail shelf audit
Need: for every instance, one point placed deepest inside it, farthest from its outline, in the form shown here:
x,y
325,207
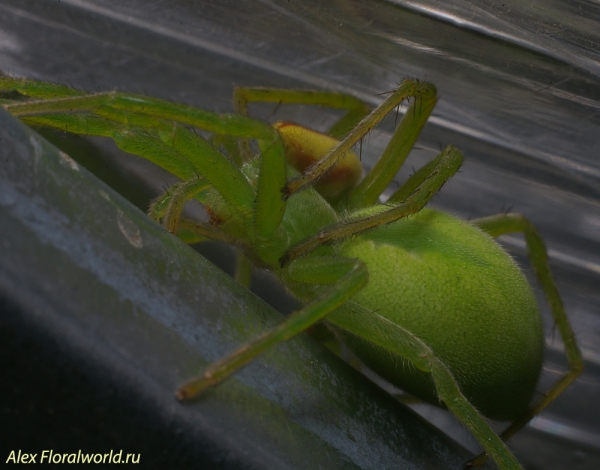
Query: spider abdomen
x,y
452,286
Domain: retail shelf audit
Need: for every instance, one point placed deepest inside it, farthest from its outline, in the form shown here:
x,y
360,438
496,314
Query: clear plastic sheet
x,y
519,86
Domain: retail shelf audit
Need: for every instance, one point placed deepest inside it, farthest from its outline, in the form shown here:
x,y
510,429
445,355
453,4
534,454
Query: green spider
x,y
428,301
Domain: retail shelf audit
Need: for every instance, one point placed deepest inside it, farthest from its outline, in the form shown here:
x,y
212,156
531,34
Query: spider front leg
x,y
138,124
368,191
512,223
395,340
345,276
304,146
355,108
423,186
168,208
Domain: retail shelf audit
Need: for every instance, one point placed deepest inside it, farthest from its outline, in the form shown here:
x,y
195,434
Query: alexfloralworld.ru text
x,y
49,456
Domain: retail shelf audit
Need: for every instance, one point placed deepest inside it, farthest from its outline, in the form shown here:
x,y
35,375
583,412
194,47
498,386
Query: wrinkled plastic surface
x,y
519,93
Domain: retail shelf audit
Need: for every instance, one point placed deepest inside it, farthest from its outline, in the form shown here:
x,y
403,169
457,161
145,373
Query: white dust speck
x,y
68,161
104,194
37,148
129,230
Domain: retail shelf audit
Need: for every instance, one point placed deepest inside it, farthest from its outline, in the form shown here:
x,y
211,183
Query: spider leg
x,y
146,144
510,223
403,140
37,89
263,208
367,192
169,206
344,276
356,320
424,184
356,109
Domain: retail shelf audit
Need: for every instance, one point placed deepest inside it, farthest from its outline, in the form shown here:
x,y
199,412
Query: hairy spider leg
x,y
502,224
405,135
395,339
356,109
169,206
425,186
144,143
346,277
407,131
263,207
243,96
387,166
